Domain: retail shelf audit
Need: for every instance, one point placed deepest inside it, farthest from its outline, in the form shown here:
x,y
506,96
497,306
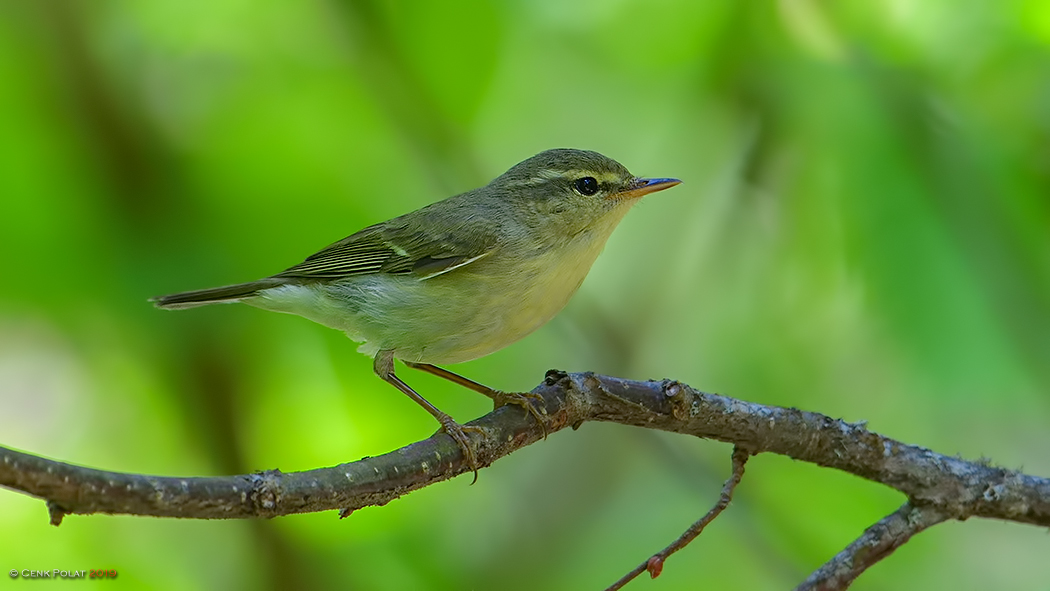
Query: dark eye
x,y
586,186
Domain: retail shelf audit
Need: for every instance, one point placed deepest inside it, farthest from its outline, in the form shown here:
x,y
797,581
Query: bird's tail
x,y
215,295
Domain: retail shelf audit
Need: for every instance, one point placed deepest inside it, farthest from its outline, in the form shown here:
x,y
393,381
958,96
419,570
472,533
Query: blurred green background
x,y
862,231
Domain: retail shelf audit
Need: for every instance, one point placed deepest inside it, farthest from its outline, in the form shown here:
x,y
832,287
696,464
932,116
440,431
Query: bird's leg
x,y
384,368
499,398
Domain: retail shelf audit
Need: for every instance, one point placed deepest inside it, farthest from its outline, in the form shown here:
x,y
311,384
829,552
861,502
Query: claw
x,y
524,400
458,433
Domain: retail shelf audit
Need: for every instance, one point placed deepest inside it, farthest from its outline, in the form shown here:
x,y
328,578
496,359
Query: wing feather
x,y
396,249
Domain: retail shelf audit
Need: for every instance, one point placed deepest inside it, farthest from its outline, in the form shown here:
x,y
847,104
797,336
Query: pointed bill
x,y
645,186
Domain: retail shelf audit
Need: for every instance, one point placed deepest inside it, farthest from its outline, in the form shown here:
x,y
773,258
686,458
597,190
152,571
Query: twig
x,y
877,542
655,564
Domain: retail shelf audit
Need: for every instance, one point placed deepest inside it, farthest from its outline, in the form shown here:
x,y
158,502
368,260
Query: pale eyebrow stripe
x,y
543,177
548,174
604,177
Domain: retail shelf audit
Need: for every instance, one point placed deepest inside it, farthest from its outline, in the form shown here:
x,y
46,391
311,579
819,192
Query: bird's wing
x,y
395,248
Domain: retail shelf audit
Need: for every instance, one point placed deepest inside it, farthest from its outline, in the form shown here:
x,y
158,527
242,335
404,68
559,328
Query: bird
x,y
460,278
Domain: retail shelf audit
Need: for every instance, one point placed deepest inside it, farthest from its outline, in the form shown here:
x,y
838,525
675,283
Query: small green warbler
x,y
460,278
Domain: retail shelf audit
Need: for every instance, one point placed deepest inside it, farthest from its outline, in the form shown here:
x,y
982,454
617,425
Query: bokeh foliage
x,y
864,230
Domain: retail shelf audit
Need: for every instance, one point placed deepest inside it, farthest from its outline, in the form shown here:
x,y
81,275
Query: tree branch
x,y
877,542
938,487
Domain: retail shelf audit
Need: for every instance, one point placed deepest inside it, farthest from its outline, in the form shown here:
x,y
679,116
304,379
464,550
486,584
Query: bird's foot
x,y
526,400
458,433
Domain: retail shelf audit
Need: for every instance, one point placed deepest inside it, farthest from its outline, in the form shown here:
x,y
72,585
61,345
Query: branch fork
x,y
938,487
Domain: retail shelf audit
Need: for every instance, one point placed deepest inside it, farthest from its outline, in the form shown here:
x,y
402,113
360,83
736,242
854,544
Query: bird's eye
x,y
586,186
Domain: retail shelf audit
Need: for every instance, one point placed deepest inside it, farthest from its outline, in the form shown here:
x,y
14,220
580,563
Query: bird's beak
x,y
645,186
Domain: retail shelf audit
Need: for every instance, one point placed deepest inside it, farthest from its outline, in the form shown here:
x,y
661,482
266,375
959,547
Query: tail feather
x,y
215,295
